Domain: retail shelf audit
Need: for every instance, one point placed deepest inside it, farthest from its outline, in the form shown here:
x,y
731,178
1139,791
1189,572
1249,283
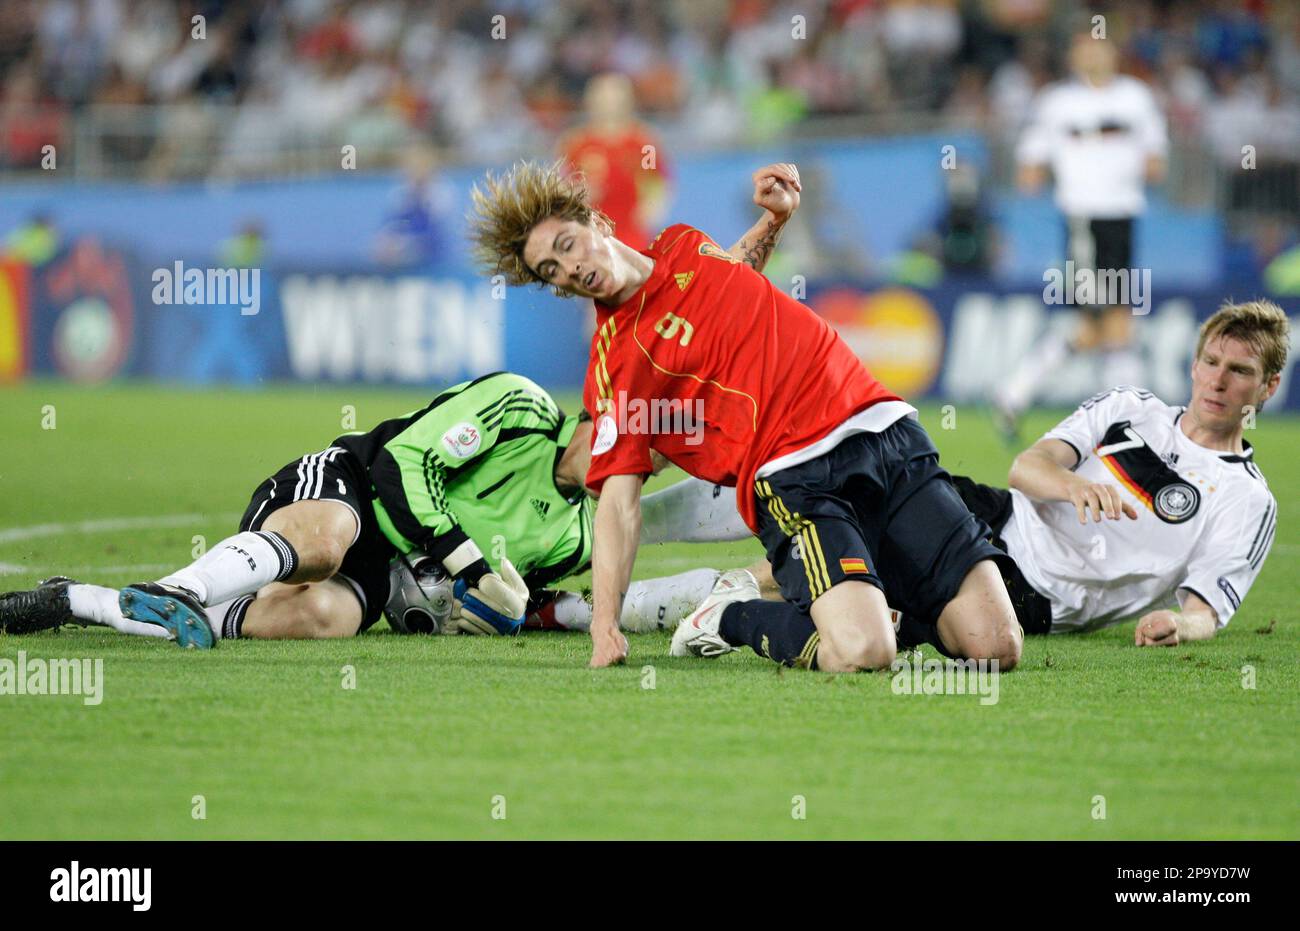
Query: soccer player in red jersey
x,y
698,357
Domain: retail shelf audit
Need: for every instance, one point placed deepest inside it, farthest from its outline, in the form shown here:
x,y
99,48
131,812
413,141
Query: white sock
x,y
1022,387
572,612
227,618
651,604
658,604
692,511
238,565
96,604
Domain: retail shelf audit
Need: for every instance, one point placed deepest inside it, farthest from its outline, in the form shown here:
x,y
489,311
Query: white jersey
x,y
1097,141
1205,519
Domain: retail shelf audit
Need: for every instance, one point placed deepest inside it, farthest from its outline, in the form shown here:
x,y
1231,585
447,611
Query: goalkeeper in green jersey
x,y
478,496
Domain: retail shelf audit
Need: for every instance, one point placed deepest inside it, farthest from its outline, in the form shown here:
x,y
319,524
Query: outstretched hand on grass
x,y
608,647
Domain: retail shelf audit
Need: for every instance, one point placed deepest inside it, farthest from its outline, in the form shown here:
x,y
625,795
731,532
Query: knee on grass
x,y
855,650
980,623
1005,649
1003,643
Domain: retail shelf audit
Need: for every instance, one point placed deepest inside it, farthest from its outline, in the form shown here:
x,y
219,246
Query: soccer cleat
x,y
697,634
45,607
173,608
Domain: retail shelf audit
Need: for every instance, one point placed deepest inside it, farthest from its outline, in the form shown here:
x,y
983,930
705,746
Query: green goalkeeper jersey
x,y
479,463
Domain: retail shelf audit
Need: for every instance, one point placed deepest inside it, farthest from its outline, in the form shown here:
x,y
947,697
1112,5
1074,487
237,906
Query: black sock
x,y
775,629
912,633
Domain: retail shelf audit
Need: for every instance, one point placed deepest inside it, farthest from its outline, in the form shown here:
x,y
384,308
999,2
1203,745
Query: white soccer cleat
x,y
697,634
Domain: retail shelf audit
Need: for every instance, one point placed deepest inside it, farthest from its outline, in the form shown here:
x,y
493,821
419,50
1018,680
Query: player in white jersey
x,y
1200,519
1130,505
1103,137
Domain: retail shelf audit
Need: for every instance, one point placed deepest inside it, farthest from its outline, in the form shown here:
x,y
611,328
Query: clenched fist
x,y
776,189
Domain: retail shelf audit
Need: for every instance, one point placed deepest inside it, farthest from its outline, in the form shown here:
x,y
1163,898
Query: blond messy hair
x,y
1261,325
507,207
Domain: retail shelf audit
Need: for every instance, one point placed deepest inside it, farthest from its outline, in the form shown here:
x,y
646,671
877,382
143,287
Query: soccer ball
x,y
420,596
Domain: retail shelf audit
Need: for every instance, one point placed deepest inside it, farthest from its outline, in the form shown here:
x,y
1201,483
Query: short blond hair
x,y
1261,325
507,207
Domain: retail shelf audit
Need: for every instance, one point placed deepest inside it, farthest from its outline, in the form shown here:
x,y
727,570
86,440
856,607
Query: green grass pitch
x,y
441,734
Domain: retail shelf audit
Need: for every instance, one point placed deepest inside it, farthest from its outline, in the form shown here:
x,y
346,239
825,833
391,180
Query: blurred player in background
x,y
833,472
621,160
414,232
1103,138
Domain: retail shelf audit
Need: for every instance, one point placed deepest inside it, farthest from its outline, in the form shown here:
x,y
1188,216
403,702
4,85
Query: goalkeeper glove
x,y
494,605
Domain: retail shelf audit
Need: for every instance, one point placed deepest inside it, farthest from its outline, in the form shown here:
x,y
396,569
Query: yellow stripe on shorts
x,y
792,525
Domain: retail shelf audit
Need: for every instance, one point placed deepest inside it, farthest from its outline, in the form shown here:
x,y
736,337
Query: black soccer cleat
x,y
45,607
173,608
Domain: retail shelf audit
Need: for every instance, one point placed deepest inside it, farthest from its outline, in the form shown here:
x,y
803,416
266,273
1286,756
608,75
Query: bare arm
x,y
617,532
776,190
1197,621
1042,472
755,247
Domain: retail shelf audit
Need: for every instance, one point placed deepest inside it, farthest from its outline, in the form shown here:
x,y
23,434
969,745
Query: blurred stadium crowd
x,y
284,75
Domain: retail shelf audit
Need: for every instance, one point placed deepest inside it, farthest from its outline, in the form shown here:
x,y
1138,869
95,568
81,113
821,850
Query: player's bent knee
x,y
1006,650
1007,640
999,638
876,655
853,622
855,645
319,614
319,558
980,623
320,533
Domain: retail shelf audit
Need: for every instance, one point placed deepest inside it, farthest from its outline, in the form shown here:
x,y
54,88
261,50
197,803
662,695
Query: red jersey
x,y
715,368
612,167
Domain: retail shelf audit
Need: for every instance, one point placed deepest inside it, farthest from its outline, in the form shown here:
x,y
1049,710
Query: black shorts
x,y
1099,245
993,507
877,508
334,474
